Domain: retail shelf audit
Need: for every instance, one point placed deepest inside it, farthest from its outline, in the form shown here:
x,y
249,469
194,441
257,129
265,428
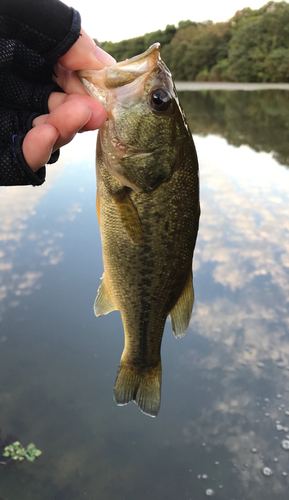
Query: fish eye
x,y
160,99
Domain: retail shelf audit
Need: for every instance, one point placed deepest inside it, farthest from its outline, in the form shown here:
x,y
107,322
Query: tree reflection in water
x,y
259,119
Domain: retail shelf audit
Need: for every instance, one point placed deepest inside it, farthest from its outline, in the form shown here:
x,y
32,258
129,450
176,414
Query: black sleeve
x,y
47,26
33,35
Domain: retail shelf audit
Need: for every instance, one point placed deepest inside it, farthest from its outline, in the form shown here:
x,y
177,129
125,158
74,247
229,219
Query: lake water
x,y
223,426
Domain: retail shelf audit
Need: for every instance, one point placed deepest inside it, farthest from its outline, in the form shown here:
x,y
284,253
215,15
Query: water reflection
x,y
242,259
17,206
246,214
259,119
225,395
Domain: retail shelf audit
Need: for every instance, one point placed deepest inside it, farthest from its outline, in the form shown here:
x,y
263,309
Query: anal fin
x,y
181,312
103,303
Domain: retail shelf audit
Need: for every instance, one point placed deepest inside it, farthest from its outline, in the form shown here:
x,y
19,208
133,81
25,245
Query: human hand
x,y
69,112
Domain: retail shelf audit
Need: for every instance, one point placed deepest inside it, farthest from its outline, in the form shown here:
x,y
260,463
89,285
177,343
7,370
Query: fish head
x,y
145,125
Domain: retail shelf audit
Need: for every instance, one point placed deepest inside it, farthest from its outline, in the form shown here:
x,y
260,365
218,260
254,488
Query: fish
x,y
148,212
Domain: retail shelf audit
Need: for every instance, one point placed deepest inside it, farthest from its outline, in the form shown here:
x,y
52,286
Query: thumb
x,y
85,54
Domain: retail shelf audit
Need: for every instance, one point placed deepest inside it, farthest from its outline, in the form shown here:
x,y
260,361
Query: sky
x,y
117,20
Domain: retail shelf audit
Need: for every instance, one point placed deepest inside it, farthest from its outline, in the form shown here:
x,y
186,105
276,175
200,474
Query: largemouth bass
x,y
148,212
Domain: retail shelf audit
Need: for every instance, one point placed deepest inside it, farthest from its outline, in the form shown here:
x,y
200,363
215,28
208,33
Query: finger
x,y
68,119
68,80
98,112
44,137
85,54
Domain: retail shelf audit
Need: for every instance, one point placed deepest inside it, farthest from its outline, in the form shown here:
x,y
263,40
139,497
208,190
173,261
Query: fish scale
x,y
148,209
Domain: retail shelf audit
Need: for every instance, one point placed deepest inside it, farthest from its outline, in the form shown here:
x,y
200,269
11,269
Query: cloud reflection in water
x,y
245,208
241,311
231,382
17,206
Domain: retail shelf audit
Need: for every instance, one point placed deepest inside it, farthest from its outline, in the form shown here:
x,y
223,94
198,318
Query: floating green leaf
x,y
16,451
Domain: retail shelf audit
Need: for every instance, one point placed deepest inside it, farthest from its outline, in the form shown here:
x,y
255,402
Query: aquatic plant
x,y
17,451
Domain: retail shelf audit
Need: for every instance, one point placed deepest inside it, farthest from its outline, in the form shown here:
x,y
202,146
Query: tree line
x,y
253,46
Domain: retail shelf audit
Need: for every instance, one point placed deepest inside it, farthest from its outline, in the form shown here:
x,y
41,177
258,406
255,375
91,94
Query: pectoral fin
x,y
129,216
181,313
103,303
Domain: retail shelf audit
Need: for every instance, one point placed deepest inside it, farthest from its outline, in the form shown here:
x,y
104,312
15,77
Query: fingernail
x,y
103,57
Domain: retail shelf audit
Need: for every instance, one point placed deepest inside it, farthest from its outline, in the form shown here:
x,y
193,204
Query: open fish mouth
x,y
100,84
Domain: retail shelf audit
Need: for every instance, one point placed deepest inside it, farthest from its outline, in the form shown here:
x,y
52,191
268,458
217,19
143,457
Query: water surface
x,y
225,391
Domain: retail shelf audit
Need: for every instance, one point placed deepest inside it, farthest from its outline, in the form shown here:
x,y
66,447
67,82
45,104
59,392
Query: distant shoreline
x,y
229,86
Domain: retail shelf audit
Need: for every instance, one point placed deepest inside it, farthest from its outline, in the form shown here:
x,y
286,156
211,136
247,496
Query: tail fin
x,y
141,385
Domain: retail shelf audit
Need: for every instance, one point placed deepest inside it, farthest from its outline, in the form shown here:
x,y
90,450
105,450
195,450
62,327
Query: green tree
x,y
251,47
277,65
256,35
133,46
196,48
